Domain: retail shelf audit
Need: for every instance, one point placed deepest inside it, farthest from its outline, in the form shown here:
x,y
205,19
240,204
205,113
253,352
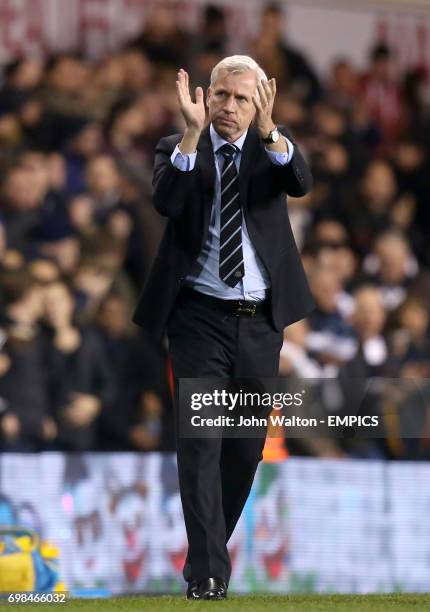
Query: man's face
x,y
102,175
230,104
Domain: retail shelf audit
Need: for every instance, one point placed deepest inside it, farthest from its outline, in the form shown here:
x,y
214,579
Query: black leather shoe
x,y
212,588
193,590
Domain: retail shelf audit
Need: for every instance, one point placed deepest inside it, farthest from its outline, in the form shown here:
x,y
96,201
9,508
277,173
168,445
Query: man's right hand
x,y
194,113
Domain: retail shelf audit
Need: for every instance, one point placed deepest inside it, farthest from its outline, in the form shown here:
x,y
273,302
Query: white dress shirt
x,y
205,275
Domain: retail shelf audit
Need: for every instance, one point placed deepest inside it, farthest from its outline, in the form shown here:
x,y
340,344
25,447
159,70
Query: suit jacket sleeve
x,y
294,178
171,186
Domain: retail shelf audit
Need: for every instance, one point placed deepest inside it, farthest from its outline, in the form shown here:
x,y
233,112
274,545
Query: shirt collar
x,y
218,141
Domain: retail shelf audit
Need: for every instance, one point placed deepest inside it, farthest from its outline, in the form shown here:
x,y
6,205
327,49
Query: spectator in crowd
x,y
137,417
392,266
111,210
382,93
330,339
214,35
80,377
405,399
368,322
344,86
136,71
84,141
161,39
20,203
341,262
411,166
416,107
25,422
126,126
21,78
288,65
67,90
210,44
94,277
411,340
370,210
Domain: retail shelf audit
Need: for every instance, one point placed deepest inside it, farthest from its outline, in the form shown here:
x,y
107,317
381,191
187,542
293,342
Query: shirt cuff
x,y
281,159
183,162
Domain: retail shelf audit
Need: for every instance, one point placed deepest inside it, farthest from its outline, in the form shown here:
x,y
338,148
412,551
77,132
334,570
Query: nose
x,y
230,105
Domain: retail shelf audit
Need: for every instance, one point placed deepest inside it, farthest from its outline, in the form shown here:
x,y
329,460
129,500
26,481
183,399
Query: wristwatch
x,y
272,137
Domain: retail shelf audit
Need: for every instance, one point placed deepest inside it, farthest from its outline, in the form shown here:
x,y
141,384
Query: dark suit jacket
x,y
186,198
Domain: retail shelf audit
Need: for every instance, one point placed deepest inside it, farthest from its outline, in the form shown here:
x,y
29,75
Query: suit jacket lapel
x,y
249,153
206,162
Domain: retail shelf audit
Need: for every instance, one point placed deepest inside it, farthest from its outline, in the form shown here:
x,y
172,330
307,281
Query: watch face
x,y
274,136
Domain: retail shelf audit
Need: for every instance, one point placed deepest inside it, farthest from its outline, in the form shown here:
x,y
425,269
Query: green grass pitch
x,y
256,603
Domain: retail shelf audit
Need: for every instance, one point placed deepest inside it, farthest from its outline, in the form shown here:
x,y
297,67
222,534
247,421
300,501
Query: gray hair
x,y
237,63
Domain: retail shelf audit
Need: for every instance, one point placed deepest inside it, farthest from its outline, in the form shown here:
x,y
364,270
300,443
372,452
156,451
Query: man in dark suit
x,y
227,279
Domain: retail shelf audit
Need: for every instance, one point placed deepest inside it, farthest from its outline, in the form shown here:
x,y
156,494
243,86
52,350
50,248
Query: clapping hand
x,y
194,112
263,99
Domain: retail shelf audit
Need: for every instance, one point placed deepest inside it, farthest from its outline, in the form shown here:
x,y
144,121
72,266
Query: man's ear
x,y
208,94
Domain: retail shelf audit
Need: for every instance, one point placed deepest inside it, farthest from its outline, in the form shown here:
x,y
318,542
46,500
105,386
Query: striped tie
x,y
231,268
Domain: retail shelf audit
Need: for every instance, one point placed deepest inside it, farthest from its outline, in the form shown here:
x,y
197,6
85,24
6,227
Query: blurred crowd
x,y
78,233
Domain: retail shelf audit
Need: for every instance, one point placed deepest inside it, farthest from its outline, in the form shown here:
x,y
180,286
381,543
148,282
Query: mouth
x,y
226,121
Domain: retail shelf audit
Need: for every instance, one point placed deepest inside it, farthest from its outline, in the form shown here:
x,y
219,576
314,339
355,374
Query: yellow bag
x,y
26,564
17,572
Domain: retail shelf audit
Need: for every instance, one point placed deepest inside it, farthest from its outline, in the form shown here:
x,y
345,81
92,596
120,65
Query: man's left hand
x,y
263,100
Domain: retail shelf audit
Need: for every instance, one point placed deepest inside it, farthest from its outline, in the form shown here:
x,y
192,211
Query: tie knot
x,y
228,150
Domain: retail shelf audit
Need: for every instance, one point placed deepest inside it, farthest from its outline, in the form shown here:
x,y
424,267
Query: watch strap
x,y
269,139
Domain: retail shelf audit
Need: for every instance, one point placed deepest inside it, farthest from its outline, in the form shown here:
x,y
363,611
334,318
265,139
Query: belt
x,y
237,308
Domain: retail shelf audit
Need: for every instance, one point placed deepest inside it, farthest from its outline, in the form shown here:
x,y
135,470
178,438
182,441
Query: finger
x,y
183,93
183,81
181,75
181,85
257,103
268,92
268,89
179,79
180,93
262,94
273,86
199,95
